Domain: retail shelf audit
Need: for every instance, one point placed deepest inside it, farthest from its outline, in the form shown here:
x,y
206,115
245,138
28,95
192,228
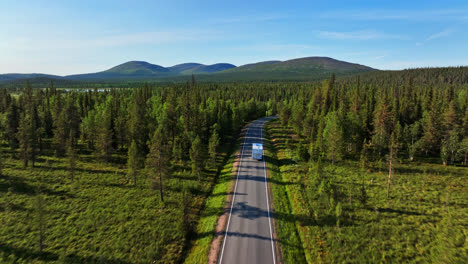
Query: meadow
x,y
341,213
100,216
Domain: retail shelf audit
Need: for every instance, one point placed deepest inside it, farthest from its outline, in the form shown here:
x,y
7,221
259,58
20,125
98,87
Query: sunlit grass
x,y
423,221
99,217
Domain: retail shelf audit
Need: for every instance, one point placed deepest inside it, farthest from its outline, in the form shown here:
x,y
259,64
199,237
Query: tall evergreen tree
x,y
61,133
157,161
212,146
383,121
27,138
196,157
133,162
12,125
333,137
137,126
104,134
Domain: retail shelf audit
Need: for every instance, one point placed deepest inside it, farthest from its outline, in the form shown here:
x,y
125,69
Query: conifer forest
x,y
363,168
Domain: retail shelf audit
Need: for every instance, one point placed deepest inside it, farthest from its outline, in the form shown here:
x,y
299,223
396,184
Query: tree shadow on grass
x,y
29,254
18,185
430,171
394,211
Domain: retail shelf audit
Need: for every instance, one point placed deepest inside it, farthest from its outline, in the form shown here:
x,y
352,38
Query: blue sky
x,y
67,37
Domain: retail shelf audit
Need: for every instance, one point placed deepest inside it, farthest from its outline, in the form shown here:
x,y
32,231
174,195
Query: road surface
x,y
249,230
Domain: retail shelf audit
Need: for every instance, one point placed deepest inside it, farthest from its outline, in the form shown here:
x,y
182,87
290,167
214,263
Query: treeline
x,y
157,126
404,113
383,117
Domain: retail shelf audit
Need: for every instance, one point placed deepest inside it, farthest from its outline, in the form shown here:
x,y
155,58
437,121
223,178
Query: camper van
x,y
257,151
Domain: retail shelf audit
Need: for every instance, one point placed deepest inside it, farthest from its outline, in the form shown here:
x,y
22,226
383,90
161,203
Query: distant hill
x,y
197,68
184,67
203,69
20,76
302,69
141,70
249,66
309,68
129,70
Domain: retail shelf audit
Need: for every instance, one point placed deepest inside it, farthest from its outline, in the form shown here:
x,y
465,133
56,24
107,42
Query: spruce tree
x,y
13,120
137,126
212,146
382,125
104,135
60,133
133,162
158,159
333,137
26,136
196,157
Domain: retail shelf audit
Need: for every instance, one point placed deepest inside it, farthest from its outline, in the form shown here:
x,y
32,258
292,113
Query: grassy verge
x,y
285,222
213,209
342,214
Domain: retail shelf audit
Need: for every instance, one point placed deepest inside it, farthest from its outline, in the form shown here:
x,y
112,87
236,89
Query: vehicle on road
x,y
257,151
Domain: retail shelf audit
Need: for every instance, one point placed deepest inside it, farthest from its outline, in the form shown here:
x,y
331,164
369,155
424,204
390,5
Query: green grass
x,y
214,207
100,217
285,222
424,221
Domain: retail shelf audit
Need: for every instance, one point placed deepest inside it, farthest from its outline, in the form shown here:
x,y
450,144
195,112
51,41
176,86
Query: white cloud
x,y
358,35
444,33
414,15
251,18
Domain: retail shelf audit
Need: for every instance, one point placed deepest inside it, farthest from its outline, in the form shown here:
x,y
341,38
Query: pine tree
x,y
133,162
137,126
285,114
27,138
104,135
196,157
12,125
157,161
451,117
333,137
382,125
60,133
212,146
431,126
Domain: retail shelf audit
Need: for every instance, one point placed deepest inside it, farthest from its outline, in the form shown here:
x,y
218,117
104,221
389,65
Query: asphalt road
x,y
249,231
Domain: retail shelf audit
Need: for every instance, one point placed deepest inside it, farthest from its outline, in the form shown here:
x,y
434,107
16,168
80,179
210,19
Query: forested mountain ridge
x,y
310,68
323,63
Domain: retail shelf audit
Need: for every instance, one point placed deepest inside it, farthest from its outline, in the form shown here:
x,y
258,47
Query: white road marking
x,y
234,196
268,201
